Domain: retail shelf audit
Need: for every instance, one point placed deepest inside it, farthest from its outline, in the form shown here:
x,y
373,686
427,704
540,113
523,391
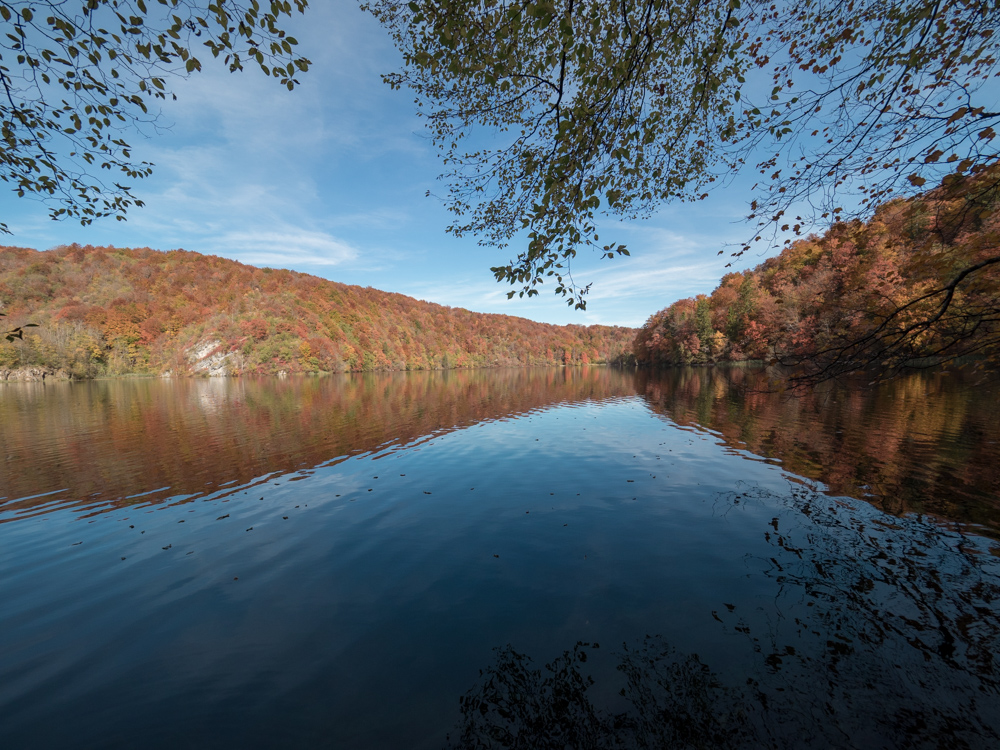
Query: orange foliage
x,y
825,292
151,309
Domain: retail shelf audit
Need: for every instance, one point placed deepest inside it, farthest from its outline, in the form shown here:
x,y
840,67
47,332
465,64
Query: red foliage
x,y
155,308
823,291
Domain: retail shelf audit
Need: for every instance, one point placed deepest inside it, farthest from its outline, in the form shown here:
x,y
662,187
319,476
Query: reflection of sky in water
x,y
926,444
350,601
119,439
331,561
214,394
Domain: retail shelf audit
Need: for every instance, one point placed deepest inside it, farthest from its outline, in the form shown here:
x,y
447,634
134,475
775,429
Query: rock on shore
x,y
32,373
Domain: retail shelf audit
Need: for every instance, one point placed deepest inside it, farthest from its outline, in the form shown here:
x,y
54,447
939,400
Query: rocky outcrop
x,y
206,358
32,373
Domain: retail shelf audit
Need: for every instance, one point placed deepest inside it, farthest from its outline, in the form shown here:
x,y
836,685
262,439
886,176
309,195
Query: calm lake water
x,y
514,558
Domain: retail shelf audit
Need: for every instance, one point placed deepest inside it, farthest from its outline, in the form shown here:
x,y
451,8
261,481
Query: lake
x,y
538,558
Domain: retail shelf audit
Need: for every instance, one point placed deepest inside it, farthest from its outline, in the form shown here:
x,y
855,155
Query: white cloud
x,y
645,276
663,264
290,248
478,296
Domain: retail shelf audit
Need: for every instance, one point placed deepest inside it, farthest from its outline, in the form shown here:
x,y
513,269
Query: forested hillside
x,y
920,279
113,311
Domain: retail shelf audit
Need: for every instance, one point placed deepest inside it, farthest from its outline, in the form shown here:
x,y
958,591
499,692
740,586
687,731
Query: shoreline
x,y
41,374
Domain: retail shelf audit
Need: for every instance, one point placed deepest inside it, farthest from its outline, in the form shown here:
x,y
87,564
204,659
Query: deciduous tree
x,y
77,77
613,107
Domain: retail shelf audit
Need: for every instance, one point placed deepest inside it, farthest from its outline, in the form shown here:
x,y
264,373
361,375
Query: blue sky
x,y
331,179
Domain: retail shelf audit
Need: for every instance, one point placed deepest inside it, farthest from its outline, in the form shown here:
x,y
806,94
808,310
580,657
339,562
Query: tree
x,y
76,75
917,285
615,107
939,300
703,324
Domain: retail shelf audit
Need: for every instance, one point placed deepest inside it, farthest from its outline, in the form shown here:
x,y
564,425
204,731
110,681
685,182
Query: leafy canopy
x,y
610,107
76,75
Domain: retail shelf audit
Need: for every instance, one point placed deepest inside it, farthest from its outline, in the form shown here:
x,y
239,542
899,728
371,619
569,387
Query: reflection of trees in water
x,y
925,443
882,628
674,702
113,439
881,633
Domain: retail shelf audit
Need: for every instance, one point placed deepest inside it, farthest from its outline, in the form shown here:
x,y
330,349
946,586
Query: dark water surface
x,y
517,558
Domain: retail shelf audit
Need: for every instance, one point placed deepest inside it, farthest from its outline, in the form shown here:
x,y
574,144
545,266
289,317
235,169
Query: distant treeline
x,y
929,266
116,311
825,292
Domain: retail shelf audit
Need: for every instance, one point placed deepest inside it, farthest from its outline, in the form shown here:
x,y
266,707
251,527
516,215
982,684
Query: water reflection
x,y
925,443
317,601
673,701
113,442
879,635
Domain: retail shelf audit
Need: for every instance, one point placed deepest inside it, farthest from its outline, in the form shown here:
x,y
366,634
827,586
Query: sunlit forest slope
x,y
114,311
921,278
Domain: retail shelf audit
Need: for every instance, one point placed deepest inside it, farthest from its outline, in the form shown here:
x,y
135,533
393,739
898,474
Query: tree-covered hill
x,y
113,311
920,279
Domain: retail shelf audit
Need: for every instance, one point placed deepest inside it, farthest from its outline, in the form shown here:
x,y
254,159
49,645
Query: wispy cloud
x,y
291,248
472,295
644,277
663,264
